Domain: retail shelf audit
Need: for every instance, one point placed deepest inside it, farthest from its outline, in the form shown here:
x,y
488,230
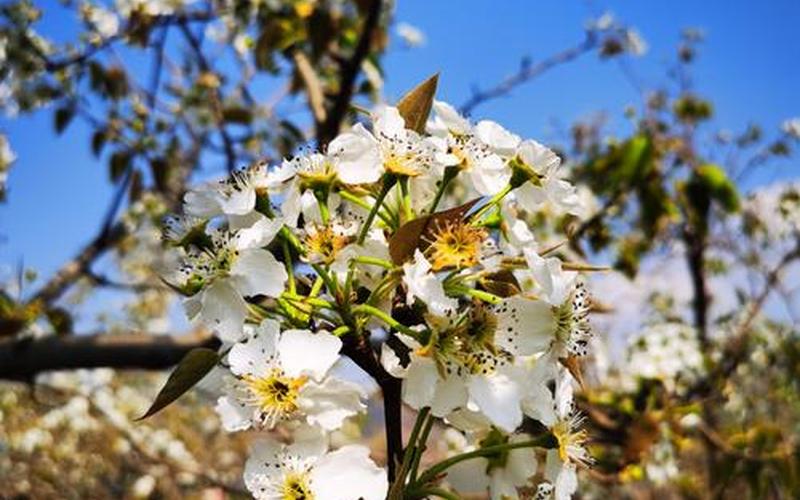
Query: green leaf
x,y
416,105
191,370
412,234
719,186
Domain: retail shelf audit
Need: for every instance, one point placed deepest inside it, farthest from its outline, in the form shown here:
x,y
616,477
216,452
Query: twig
x,y
350,70
316,100
527,72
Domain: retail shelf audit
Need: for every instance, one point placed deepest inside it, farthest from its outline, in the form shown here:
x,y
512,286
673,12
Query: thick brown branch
x,y
23,359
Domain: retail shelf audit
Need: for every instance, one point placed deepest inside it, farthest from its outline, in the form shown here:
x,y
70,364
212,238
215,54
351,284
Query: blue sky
x,y
748,65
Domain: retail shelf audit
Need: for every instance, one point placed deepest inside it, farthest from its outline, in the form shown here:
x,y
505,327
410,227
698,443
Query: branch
x,y
350,70
359,350
736,350
216,104
312,84
23,359
527,72
78,266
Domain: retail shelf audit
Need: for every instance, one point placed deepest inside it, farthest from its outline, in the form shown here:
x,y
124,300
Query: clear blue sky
x,y
748,65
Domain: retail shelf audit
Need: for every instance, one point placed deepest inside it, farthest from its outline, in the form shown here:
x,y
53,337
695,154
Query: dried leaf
x,y
410,236
416,105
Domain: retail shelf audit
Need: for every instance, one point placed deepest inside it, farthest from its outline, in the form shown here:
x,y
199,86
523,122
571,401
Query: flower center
x,y
455,244
296,487
571,440
572,322
467,348
275,394
324,243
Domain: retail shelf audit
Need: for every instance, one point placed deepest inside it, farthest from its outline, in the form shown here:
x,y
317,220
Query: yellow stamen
x,y
455,244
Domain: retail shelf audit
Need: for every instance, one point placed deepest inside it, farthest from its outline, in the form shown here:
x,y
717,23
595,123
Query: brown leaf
x,y
416,105
573,365
501,283
410,236
191,370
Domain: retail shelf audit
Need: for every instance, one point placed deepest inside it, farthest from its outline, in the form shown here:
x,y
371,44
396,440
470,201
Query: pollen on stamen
x,y
455,245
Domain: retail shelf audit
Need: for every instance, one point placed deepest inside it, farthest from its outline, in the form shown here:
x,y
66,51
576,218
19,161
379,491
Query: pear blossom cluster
x,y
413,252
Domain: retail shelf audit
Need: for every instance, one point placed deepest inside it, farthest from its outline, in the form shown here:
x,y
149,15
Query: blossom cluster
x,y
369,249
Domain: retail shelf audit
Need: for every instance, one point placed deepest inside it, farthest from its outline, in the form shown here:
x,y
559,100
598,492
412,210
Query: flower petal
x,y
258,272
329,403
304,353
498,397
348,473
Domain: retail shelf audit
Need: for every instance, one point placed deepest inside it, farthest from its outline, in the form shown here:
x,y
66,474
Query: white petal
x,y
388,121
328,404
498,138
566,484
391,362
451,118
490,175
258,272
451,393
255,355
359,160
498,397
223,310
304,353
556,284
309,444
238,201
347,474
202,202
264,464
260,233
419,385
539,157
426,286
524,326
233,415
521,464
469,476
500,487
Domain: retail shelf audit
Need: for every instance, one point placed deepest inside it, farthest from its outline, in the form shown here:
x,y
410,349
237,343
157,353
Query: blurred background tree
x,y
701,402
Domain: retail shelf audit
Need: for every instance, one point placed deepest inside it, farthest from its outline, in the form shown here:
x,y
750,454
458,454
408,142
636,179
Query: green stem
x,y
450,173
494,200
408,454
374,311
287,256
374,261
342,330
420,449
480,295
322,203
388,182
287,234
366,206
543,441
406,199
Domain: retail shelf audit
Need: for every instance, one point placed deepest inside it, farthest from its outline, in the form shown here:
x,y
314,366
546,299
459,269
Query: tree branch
x,y
77,267
350,70
23,359
527,72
